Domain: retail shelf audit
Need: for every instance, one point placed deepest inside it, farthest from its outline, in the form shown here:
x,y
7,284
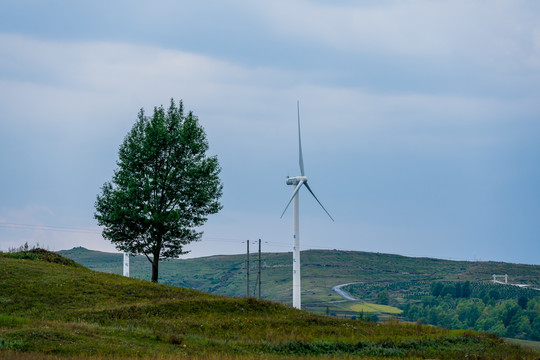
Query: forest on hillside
x,y
504,310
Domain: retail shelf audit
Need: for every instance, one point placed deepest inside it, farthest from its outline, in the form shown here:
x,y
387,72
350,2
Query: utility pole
x,y
259,268
247,269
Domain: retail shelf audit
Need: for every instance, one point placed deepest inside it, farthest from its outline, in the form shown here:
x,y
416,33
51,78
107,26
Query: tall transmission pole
x,y
247,270
259,268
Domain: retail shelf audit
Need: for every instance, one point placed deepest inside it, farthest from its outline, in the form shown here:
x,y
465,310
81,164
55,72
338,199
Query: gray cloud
x,y
419,118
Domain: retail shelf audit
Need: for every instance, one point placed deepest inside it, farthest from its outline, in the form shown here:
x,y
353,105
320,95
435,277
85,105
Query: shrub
x,y
7,344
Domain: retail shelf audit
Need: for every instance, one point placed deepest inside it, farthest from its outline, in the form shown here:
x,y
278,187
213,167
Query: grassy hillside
x,y
321,270
52,306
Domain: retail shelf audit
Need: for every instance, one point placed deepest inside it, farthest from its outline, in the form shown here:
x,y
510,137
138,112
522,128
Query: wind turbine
x,y
298,181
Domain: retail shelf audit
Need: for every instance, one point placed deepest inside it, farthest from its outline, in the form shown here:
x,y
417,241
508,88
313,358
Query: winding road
x,y
343,293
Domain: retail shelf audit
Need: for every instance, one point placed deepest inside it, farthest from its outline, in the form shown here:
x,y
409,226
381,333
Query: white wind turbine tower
x,y
298,181
126,264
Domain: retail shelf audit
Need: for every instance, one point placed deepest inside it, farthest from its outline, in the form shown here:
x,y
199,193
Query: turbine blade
x,y
292,197
300,157
311,191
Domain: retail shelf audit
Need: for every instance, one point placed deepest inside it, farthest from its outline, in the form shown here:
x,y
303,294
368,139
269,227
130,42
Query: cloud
x,y
412,154
459,29
85,85
89,93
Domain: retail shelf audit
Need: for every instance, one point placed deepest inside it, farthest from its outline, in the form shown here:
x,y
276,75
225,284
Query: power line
x,y
33,227
15,226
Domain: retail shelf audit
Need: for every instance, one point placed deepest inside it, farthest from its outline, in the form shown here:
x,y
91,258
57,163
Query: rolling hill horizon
x,y
321,271
253,255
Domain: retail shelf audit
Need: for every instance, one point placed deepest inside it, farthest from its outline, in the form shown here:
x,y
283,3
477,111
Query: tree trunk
x,y
155,268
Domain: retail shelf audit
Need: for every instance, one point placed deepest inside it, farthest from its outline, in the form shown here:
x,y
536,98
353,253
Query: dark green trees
x,y
383,298
481,306
455,290
164,187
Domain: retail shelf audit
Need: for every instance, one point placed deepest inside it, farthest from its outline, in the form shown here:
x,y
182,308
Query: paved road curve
x,y
343,293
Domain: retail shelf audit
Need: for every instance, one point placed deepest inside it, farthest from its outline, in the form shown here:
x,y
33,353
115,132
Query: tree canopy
x,y
480,306
164,188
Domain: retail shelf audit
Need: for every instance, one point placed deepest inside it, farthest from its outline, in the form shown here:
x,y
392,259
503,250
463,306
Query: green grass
x,y
375,308
535,345
56,309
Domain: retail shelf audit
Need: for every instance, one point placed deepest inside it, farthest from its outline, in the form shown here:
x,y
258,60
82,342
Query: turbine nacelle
x,y
295,180
301,180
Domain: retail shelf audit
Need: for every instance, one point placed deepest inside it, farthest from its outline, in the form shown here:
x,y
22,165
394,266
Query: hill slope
x,y
50,307
321,270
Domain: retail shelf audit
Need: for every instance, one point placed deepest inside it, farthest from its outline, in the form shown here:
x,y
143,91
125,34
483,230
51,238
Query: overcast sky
x,y
420,119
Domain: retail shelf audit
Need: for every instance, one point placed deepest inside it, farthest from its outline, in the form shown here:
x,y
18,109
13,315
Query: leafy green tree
x,y
415,312
466,289
522,301
535,329
510,311
383,298
165,187
469,311
498,328
484,296
448,289
523,327
487,320
433,315
458,290
533,306
494,294
456,323
436,288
